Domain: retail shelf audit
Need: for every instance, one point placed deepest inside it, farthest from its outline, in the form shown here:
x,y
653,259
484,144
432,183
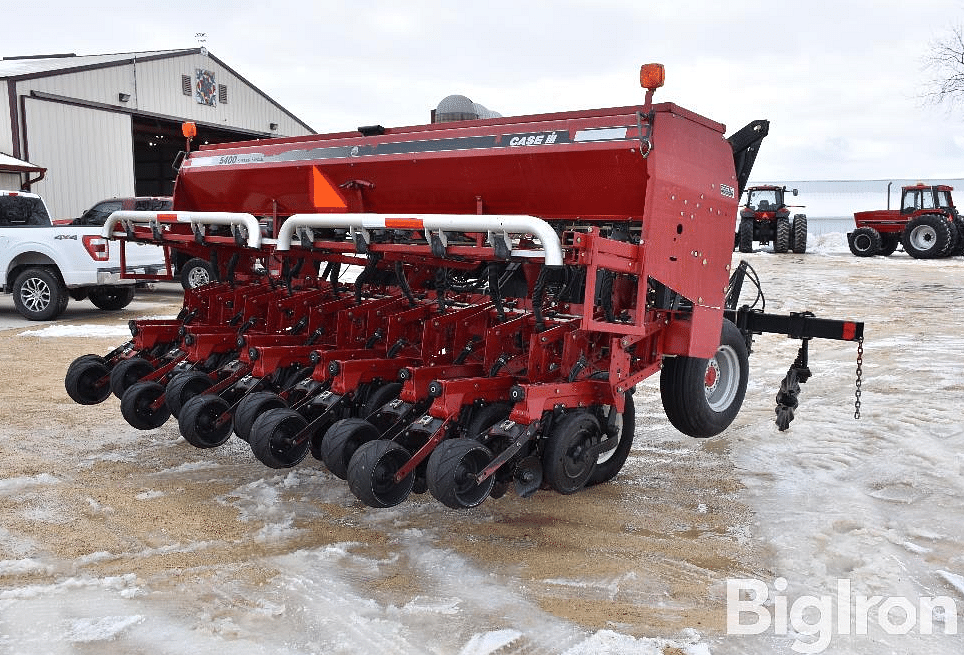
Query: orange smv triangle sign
x,y
323,194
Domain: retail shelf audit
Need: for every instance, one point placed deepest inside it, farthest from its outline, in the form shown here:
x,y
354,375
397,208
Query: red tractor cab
x,y
927,225
766,217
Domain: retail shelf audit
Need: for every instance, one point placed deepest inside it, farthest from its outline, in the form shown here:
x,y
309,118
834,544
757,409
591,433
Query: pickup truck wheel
x,y
701,397
197,272
39,294
112,298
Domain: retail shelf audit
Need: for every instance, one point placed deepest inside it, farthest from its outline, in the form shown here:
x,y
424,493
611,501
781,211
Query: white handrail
x,y
195,218
505,223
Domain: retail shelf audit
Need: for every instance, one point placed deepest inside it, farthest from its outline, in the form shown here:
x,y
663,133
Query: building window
x,y
186,86
222,94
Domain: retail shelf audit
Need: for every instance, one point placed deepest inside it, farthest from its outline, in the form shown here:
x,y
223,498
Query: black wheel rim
x,y
208,430
282,443
383,482
467,489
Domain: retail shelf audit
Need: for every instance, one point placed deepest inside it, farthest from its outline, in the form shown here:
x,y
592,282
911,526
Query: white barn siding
x,y
100,85
6,131
72,122
87,151
159,91
9,181
155,87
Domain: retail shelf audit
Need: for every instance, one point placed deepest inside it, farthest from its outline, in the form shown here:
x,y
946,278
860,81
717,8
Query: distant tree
x,y
945,61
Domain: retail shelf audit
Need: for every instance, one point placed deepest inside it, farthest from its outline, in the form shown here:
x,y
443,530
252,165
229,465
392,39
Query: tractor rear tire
x,y
746,235
451,472
799,236
927,237
781,239
864,242
701,397
958,247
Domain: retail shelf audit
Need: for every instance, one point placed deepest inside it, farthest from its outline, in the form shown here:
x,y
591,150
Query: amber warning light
x,y
651,77
189,130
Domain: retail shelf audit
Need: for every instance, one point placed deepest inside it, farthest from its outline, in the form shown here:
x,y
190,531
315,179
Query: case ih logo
x,y
537,139
727,191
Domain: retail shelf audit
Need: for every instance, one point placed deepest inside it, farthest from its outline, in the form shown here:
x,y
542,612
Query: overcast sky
x,y
840,80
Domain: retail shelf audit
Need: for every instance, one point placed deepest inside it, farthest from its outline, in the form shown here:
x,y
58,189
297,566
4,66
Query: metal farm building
x,y
108,126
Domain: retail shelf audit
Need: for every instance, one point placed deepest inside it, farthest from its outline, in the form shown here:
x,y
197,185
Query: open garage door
x,y
156,143
81,169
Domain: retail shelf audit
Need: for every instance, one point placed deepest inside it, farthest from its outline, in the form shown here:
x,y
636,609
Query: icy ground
x,y
877,502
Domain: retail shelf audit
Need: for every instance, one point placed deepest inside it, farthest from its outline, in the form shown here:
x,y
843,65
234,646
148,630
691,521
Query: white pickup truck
x,y
44,264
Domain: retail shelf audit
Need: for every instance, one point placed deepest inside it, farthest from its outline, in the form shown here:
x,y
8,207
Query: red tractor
x,y
927,225
766,217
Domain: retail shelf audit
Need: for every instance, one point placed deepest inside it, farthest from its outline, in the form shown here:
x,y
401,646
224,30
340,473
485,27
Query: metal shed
x,y
110,125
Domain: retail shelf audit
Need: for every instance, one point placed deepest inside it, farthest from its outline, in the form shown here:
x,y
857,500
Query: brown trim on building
x,y
67,69
14,118
14,168
64,100
23,120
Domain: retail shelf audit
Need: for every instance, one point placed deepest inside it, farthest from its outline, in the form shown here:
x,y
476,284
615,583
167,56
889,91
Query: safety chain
x,y
860,375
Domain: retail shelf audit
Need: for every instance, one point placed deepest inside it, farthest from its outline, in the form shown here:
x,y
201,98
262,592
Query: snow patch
x,y
953,579
13,567
13,485
88,330
489,642
100,629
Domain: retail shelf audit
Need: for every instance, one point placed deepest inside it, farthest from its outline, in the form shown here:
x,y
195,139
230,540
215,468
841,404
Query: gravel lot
x,y
114,540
